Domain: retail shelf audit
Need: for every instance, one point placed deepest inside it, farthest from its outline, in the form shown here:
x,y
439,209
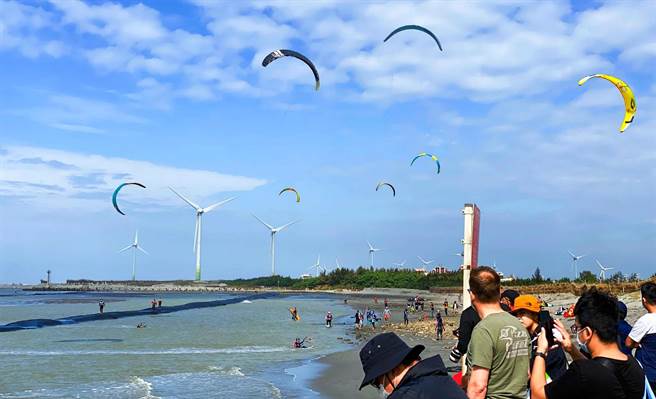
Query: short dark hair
x,y
485,283
598,310
648,291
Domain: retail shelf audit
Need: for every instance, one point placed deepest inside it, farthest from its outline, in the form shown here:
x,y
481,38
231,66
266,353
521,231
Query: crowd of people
x,y
515,349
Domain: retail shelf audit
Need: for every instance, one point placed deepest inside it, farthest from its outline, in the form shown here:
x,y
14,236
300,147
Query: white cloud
x,y
21,28
63,179
78,114
493,51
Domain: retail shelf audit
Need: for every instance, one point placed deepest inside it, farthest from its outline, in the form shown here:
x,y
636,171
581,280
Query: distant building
x,y
440,270
421,270
306,276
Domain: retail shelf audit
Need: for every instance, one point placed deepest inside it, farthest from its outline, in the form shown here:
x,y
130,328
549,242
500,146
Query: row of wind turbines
x,y
575,258
200,211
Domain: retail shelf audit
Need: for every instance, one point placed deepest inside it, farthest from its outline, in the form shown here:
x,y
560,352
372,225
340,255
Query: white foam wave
x,y
175,351
143,387
246,301
236,371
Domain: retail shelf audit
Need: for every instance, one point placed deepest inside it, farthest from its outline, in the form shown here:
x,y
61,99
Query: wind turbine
x,y
273,231
603,270
371,253
339,266
199,218
575,259
317,266
425,262
402,264
135,246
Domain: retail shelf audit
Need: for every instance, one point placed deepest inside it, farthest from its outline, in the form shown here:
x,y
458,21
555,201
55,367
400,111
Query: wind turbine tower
x,y
575,258
603,270
372,250
135,247
317,266
199,219
274,231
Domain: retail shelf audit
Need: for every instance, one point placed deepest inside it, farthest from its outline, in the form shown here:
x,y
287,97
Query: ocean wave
x,y
175,351
236,371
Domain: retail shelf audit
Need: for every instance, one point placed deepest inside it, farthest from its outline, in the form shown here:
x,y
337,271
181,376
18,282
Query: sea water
x,y
239,350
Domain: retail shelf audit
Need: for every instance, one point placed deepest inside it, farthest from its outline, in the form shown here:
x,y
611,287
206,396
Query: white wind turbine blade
x,y
125,249
136,237
263,222
182,197
571,254
284,226
600,265
211,207
370,247
142,250
581,256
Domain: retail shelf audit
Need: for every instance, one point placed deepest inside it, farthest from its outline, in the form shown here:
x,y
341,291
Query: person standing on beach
x,y
498,353
387,315
623,328
455,307
439,326
468,320
446,307
643,333
405,316
101,305
397,371
432,308
609,374
153,304
528,312
329,319
386,303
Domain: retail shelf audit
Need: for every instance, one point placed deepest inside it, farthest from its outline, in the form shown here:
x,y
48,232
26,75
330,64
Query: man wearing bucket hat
x,y
397,371
527,310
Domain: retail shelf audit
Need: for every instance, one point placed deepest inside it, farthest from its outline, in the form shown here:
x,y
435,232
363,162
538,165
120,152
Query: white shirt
x,y
644,326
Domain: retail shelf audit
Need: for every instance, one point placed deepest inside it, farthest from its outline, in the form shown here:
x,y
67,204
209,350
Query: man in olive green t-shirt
x,y
498,353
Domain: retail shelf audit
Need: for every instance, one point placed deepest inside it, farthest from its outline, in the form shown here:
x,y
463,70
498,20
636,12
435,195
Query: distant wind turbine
x,y
371,253
575,259
425,262
134,246
317,266
339,266
401,264
603,270
199,218
273,231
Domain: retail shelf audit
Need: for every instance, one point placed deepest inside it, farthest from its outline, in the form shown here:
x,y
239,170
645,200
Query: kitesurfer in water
x,y
299,343
141,325
329,319
101,306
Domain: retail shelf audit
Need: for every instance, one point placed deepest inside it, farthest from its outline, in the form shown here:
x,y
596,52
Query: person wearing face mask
x,y
397,371
609,374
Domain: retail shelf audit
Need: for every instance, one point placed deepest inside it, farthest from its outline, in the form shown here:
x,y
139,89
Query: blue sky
x,y
173,94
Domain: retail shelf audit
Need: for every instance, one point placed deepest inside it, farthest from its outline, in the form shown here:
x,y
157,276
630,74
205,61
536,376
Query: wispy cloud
x,y
63,179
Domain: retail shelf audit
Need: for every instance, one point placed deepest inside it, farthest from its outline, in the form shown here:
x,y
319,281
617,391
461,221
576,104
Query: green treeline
x,y
357,279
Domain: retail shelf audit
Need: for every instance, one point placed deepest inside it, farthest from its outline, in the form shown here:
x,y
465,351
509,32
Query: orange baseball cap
x,y
527,302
